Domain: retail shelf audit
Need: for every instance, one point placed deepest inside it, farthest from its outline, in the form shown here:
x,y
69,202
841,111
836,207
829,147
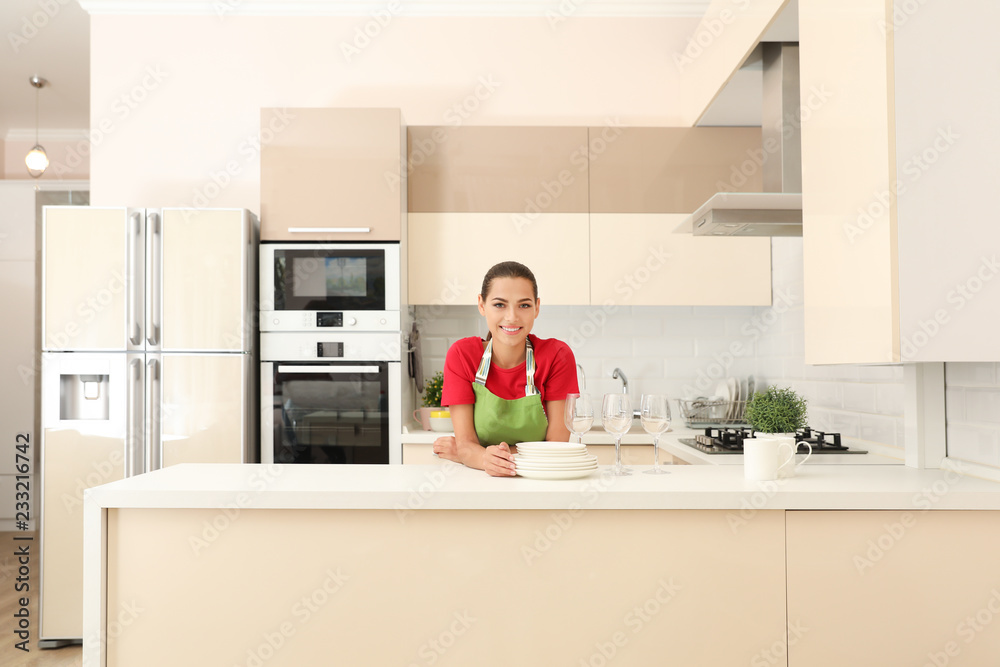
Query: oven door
x,y
327,412
329,286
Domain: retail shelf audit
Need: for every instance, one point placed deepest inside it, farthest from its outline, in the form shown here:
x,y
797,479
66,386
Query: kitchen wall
x,y
973,412
684,351
180,96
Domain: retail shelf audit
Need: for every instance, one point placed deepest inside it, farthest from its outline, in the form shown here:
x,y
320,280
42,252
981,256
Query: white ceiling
x,y
57,47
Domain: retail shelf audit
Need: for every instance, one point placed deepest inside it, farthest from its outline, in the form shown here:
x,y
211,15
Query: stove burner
x,y
718,440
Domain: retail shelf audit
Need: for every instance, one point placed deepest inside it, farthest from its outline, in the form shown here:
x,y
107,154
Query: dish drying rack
x,y
705,412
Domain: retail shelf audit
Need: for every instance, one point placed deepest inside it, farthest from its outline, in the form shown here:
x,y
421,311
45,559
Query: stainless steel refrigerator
x,y
148,359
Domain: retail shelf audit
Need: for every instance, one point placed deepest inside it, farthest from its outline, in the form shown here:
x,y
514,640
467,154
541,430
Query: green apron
x,y
512,421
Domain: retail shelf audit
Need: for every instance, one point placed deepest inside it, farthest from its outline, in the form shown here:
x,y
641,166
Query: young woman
x,y
509,388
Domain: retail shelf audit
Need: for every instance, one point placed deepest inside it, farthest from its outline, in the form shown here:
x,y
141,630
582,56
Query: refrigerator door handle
x,y
153,252
133,417
154,452
134,244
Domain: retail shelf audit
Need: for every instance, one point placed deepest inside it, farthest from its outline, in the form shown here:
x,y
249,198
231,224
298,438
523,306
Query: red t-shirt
x,y
555,372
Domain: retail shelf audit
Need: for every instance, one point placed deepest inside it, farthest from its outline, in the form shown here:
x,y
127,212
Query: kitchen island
x,y
419,565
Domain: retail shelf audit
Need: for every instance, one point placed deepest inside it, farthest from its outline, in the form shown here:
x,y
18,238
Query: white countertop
x,y
669,442
452,486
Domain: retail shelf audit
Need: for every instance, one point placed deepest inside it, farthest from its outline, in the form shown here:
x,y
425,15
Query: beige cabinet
x,y
332,174
636,260
449,253
670,169
893,588
896,146
516,170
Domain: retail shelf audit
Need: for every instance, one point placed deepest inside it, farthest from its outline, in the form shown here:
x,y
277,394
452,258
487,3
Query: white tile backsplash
x,y
685,351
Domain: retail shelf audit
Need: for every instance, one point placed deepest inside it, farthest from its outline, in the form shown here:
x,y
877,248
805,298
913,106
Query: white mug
x,y
787,465
762,459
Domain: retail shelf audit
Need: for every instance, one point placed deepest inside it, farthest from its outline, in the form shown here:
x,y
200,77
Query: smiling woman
x,y
501,390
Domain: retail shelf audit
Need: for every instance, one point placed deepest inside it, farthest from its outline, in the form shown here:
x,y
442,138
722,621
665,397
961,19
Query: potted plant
x,y
431,400
777,411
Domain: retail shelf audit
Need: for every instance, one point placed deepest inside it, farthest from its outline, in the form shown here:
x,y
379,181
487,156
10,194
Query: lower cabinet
x,y
879,588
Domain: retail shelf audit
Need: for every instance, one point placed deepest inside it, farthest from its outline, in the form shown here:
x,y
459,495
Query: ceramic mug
x,y
762,457
423,417
787,465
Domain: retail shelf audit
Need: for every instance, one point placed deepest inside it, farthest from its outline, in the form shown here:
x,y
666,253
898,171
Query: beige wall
x,y
67,159
179,97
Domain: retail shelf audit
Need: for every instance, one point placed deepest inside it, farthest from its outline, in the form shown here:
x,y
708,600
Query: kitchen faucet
x,y
619,374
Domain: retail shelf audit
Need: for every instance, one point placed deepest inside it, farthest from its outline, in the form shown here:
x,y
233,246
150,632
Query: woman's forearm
x,y
470,453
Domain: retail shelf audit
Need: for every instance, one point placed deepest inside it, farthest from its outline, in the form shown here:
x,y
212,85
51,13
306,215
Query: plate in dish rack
x,y
554,474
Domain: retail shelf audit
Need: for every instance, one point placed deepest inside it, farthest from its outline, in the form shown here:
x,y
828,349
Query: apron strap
x,y
529,366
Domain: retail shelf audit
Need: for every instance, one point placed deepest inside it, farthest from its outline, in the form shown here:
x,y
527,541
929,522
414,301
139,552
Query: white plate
x,y
555,466
561,446
562,460
555,474
551,453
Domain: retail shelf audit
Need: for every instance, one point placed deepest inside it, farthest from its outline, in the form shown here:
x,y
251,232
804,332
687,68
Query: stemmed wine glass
x,y
654,413
616,413
579,414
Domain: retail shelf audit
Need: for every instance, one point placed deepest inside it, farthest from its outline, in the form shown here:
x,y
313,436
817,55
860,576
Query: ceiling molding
x,y
16,134
495,8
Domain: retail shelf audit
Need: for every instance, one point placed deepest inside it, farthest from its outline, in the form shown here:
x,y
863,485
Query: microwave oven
x,y
329,287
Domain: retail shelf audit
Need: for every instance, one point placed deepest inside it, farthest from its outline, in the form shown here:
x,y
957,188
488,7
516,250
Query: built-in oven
x,y
329,287
330,397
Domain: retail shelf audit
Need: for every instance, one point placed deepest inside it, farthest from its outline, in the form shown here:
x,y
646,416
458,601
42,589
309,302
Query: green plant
x,y
776,411
432,390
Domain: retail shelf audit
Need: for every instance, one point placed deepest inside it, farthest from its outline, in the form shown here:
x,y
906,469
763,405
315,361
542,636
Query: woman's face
x,y
510,309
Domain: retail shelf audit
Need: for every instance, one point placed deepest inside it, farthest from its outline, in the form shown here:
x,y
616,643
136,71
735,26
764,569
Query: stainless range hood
x,y
778,210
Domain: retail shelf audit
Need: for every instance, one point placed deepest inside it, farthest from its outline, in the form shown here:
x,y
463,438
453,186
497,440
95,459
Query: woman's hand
x,y
446,447
498,461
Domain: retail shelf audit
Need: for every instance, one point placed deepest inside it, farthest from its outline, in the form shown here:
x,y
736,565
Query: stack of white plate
x,y
554,460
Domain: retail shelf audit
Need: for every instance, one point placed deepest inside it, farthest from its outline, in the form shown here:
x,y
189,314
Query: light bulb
x,y
37,161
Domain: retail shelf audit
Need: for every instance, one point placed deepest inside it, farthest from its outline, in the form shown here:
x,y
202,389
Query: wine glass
x,y
654,413
616,413
579,414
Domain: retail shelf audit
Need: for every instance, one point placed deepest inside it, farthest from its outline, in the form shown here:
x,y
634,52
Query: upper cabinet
x,y
590,210
332,175
897,146
669,169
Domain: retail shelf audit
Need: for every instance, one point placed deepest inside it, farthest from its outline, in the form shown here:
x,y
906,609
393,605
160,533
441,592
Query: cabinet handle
x,y
329,230
135,238
153,287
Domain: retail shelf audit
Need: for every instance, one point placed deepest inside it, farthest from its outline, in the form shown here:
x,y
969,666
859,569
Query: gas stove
x,y
722,440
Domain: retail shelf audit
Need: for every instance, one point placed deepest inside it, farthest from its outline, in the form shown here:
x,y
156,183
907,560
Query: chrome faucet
x,y
583,375
619,374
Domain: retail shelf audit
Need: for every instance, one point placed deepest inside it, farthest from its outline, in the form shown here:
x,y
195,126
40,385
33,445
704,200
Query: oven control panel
x,y
333,320
358,346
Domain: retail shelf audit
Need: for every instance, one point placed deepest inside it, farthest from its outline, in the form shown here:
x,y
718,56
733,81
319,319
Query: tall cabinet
x,y
899,139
